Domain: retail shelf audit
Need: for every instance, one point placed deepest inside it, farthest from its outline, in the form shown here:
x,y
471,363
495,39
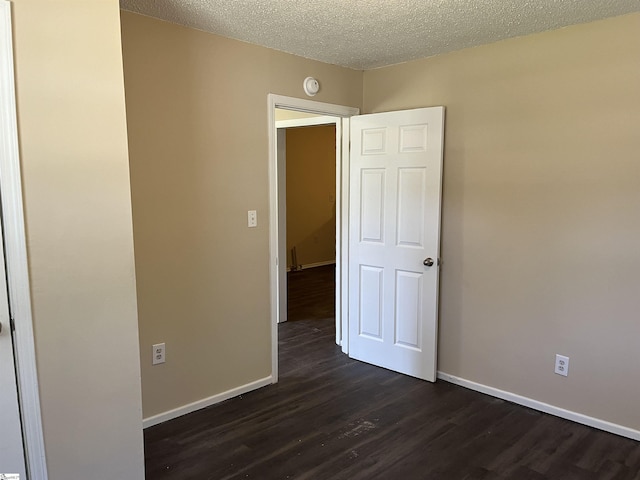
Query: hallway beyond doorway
x,y
312,293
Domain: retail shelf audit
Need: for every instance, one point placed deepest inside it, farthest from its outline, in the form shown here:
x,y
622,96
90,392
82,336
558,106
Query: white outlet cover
x,y
158,353
562,365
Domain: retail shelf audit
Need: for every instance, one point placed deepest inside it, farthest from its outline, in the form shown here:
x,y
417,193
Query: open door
x,y
11,449
20,423
388,234
394,239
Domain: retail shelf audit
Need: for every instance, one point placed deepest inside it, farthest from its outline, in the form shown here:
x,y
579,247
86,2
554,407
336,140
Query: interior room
x,y
144,143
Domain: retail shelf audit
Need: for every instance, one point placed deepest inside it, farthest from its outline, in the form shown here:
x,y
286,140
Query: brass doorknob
x,y
428,262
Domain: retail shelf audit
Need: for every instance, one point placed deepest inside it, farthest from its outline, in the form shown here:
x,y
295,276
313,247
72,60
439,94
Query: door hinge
x,y
12,324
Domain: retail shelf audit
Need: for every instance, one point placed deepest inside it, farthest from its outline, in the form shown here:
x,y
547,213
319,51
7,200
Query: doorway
x,y
310,165
277,179
407,147
307,157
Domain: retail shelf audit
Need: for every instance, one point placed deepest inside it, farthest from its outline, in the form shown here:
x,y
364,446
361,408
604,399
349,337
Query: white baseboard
x,y
205,402
312,265
543,407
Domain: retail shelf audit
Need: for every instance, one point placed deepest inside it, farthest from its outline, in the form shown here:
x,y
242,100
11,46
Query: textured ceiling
x,y
365,34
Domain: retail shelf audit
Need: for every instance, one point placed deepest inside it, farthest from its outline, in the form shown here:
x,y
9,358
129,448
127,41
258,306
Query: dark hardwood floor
x,y
311,293
330,417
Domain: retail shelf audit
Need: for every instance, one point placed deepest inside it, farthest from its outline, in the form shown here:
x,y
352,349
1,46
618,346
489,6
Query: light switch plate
x,y
252,218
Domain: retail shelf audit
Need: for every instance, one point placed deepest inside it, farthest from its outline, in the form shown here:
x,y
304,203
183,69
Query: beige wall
x,y
197,118
311,194
541,211
540,223
72,127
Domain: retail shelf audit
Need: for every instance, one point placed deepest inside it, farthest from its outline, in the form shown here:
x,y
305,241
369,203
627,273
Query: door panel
x,y
371,302
394,225
372,206
408,309
411,197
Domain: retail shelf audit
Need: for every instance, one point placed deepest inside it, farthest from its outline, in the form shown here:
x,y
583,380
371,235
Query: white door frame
x,y
275,264
16,257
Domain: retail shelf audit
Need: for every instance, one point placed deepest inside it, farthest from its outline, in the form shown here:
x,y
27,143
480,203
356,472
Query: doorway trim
x,y
307,122
16,258
275,264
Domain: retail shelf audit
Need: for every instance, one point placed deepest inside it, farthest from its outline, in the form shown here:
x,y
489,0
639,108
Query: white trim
x,y
306,122
273,235
308,106
205,402
16,251
311,106
342,290
314,265
340,222
543,407
281,162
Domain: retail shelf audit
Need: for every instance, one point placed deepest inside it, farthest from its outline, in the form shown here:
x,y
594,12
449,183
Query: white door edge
x,y
342,186
281,165
16,254
307,106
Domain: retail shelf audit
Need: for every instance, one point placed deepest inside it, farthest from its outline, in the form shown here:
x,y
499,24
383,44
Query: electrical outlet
x,y
158,353
252,218
562,365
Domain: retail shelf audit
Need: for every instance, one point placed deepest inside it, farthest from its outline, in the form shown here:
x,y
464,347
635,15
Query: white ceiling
x,y
365,34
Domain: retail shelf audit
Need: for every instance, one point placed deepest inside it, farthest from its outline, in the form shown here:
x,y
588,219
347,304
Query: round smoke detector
x,y
311,86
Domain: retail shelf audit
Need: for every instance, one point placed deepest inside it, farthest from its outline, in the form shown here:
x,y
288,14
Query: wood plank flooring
x,y
311,293
330,417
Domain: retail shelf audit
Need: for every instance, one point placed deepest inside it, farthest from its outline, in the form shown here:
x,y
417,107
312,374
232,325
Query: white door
x,y
394,239
11,450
